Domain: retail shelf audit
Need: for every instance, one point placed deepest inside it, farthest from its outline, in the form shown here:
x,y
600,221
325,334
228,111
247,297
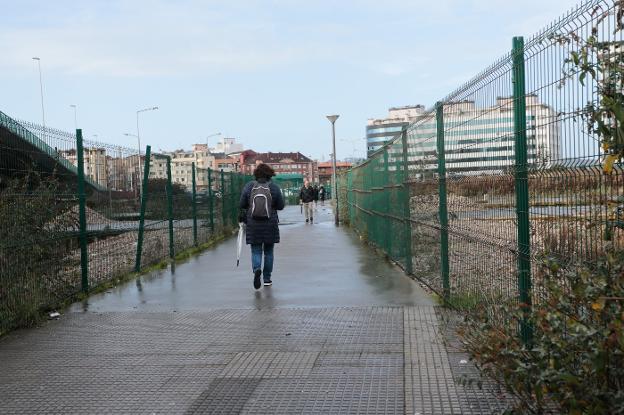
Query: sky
x,y
266,72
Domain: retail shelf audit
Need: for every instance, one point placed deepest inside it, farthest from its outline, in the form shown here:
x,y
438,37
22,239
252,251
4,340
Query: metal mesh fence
x,y
49,251
519,164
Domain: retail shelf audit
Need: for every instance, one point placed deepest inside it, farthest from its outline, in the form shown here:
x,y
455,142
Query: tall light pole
x,y
138,131
41,90
139,179
75,107
138,136
207,137
332,119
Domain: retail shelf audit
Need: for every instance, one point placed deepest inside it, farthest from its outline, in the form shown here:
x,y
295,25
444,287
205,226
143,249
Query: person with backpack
x,y
306,197
260,201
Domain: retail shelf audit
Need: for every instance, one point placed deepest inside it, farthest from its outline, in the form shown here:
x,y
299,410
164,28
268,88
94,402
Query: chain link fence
x,y
76,214
518,165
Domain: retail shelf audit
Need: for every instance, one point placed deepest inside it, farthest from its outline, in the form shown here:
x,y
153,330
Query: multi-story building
x,y
182,166
482,139
326,170
282,163
228,146
95,163
381,130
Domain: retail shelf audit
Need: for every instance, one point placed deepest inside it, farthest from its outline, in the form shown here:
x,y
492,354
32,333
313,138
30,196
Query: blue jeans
x,y
256,259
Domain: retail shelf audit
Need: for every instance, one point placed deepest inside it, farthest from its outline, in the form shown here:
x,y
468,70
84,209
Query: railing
x,y
508,170
77,214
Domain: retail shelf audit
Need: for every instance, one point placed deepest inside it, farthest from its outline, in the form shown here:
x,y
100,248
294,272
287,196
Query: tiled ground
x,y
363,360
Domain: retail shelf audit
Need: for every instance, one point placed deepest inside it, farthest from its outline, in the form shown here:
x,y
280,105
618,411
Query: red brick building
x,y
325,170
282,163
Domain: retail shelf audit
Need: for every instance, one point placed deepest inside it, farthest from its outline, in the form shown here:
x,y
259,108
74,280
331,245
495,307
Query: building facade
x,y
326,169
482,139
282,163
381,130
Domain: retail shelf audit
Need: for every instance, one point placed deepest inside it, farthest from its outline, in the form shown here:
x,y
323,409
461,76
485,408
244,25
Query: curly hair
x,y
263,171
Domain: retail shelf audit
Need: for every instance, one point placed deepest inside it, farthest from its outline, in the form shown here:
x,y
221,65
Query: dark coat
x,y
306,195
263,231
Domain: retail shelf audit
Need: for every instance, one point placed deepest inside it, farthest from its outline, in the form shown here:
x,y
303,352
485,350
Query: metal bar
x,y
443,211
223,196
82,214
406,204
170,209
210,200
146,169
194,205
522,186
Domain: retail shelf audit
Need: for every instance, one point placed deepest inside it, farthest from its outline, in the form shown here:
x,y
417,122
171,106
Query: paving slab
x,y
340,331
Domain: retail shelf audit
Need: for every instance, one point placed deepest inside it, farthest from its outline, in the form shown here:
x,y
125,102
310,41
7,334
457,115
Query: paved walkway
x,y
340,331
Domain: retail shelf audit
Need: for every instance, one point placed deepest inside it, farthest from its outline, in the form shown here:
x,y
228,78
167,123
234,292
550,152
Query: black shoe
x,y
267,283
307,220
311,220
257,283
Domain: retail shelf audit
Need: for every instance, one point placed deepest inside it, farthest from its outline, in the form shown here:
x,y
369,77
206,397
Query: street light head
x,y
36,58
73,105
332,118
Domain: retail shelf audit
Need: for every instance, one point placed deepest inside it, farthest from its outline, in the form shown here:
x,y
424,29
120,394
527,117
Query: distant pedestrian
x,y
322,195
306,197
261,199
316,195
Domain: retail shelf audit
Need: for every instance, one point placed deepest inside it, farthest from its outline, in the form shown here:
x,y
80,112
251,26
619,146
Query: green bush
x,y
575,363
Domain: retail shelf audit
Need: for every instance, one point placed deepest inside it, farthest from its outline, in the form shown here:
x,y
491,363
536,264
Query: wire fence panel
x,y
517,167
40,230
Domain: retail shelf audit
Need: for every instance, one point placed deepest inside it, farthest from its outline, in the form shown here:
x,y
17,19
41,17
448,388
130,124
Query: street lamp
x,y
75,107
138,136
332,119
207,137
41,89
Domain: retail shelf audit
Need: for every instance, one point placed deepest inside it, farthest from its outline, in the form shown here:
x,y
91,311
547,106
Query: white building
x,y
482,139
228,146
95,164
381,130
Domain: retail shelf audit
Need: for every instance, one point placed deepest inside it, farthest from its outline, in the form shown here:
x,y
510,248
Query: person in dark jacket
x,y
316,195
306,197
262,233
322,195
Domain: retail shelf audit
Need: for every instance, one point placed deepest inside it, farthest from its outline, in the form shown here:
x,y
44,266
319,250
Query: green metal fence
x,y
76,214
519,164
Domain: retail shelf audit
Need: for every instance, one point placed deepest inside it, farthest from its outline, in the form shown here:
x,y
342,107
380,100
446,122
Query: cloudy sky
x,y
264,71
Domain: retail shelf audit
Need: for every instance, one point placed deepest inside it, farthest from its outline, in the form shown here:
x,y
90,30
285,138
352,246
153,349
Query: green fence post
x,y
522,187
210,200
406,204
444,252
194,205
170,208
223,196
386,193
82,214
146,169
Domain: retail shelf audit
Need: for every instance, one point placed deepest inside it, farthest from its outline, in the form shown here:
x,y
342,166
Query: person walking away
x,y
316,195
306,197
322,195
260,201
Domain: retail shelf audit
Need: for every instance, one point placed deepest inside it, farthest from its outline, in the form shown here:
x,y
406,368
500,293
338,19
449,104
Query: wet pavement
x,y
315,265
340,331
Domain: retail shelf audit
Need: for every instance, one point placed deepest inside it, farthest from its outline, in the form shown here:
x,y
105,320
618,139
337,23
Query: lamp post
x,y
75,107
41,90
332,119
138,136
207,137
138,181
